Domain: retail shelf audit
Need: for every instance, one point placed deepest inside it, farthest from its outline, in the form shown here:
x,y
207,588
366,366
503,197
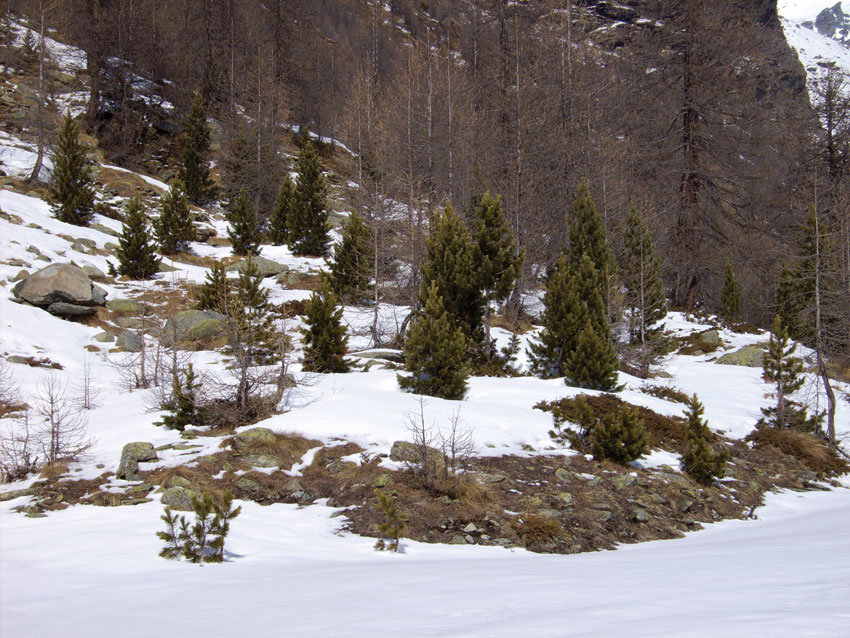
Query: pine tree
x,y
215,289
244,229
72,190
284,219
588,237
186,411
195,173
621,440
173,547
499,264
324,335
549,354
174,228
786,372
435,352
395,522
593,364
730,296
351,268
699,461
311,191
641,275
450,266
790,302
136,256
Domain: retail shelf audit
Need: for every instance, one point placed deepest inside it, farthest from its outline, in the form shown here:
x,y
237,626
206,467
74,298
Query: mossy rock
x,y
124,306
179,498
131,455
748,356
255,435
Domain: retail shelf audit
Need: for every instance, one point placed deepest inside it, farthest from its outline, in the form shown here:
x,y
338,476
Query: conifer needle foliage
x,y
136,255
72,190
324,337
203,541
395,523
700,461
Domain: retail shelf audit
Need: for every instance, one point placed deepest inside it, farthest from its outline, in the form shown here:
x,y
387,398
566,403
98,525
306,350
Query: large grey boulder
x,y
129,341
266,267
748,356
194,326
59,283
131,456
62,309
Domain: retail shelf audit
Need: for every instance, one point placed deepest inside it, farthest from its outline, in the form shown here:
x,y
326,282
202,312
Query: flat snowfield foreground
x,y
290,573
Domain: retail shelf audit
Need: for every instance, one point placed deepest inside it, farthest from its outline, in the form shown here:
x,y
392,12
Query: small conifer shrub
x,y
392,529
730,295
622,440
203,541
215,290
136,255
324,338
186,410
700,462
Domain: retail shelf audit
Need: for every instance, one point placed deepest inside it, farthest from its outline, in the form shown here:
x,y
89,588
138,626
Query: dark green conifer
x,y
548,355
311,192
284,219
496,256
215,290
435,352
244,231
730,296
786,372
173,547
700,462
195,172
72,191
351,268
588,237
450,265
186,411
790,300
174,228
324,335
395,522
136,255
593,363
621,440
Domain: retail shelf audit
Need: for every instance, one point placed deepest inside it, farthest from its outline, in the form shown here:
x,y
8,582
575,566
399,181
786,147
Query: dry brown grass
x,y
53,471
538,531
288,447
810,450
466,490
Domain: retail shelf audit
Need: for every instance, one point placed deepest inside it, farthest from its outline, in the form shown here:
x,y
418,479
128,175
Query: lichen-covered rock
x,y
94,273
186,325
124,306
57,283
129,341
266,267
748,356
131,455
244,439
407,452
179,498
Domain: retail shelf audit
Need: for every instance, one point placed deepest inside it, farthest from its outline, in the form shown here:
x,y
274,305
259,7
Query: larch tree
x,y
72,190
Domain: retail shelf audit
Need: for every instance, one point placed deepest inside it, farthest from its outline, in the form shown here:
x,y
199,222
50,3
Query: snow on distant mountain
x,y
818,31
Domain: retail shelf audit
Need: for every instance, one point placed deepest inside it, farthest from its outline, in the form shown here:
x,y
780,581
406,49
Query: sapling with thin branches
x,y
395,524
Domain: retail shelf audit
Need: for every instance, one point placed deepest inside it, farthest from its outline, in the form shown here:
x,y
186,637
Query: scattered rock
x,y
470,528
566,497
458,539
179,498
406,452
104,337
710,339
673,478
57,283
131,323
104,229
247,485
131,455
748,356
603,516
194,325
129,341
124,306
622,481
62,309
266,267
254,435
490,478
95,274
563,475
640,515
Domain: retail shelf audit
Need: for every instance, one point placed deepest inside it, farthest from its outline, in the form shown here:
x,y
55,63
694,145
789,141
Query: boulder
x,y
131,456
406,452
187,322
62,309
84,245
748,356
95,274
129,341
56,283
179,498
104,337
255,435
124,306
710,339
266,267
104,229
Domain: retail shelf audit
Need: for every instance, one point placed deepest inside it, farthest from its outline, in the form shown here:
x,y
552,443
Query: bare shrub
x,y
10,393
439,453
18,449
87,392
62,431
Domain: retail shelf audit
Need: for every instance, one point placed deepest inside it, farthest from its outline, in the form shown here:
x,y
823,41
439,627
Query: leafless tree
x,y
18,449
457,445
87,392
62,432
